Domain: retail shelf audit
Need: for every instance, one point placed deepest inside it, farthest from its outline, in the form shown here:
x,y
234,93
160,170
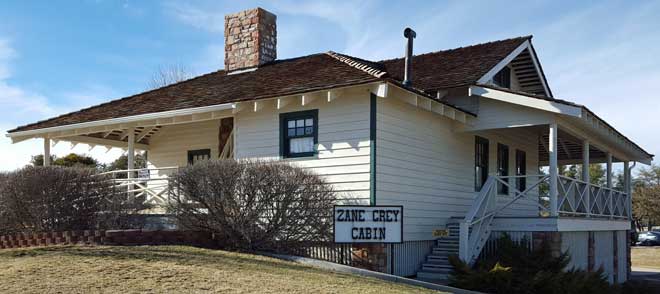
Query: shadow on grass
x,y
175,254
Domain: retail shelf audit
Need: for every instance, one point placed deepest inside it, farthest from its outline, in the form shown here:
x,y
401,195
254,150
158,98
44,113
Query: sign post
x,y
368,224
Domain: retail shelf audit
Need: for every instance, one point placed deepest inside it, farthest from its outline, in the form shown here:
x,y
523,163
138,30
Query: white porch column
x,y
627,186
554,172
131,151
46,151
609,170
609,183
585,175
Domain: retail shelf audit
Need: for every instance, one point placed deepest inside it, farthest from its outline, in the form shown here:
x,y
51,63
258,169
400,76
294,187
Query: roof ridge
x,y
527,37
358,63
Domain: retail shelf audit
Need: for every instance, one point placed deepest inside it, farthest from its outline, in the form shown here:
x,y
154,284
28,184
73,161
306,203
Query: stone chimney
x,y
250,39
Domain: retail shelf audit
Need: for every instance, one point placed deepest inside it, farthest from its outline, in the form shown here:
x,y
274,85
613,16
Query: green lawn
x,y
170,269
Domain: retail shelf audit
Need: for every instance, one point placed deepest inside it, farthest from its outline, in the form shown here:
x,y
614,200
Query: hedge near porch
x,y
48,199
253,204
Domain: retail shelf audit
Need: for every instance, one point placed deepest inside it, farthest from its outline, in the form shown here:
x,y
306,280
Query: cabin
x,y
468,141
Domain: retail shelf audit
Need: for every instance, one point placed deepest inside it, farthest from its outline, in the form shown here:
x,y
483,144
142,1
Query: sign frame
x,y
334,225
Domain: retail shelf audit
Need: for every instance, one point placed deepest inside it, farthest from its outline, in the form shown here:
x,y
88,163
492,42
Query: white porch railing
x,y
150,182
575,199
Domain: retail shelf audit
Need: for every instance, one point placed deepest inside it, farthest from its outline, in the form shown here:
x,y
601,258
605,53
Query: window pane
x,y
309,130
301,145
292,124
300,131
291,132
309,122
503,167
300,123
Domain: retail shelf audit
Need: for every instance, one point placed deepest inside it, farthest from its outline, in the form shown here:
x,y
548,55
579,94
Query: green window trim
x,y
286,136
481,154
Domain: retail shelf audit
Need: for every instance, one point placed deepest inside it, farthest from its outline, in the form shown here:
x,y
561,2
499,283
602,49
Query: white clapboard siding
x,y
171,145
622,262
577,246
427,166
520,139
343,157
423,165
604,252
497,114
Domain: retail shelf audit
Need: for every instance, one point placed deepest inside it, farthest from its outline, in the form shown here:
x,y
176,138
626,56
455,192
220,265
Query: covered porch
x,y
137,134
566,135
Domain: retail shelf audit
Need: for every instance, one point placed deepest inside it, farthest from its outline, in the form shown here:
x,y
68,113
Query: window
x,y
521,170
195,156
503,78
503,167
480,162
299,133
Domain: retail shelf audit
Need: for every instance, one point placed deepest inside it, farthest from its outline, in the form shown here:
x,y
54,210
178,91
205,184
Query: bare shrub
x,y
253,205
39,199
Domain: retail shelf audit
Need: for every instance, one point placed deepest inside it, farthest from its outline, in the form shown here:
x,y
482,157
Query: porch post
x,y
554,172
585,176
609,184
626,187
609,170
131,151
46,151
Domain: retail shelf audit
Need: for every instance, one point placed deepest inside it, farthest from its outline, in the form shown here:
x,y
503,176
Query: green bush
x,y
516,268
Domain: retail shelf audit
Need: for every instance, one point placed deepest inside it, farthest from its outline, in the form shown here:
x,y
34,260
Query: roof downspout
x,y
407,75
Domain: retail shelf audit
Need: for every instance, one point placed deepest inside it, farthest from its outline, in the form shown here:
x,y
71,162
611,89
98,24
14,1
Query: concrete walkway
x,y
649,275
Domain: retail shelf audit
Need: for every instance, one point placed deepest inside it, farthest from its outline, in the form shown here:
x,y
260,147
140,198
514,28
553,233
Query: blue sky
x,y
59,58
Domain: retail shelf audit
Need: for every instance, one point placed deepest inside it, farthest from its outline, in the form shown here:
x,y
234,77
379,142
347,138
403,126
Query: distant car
x,y
649,238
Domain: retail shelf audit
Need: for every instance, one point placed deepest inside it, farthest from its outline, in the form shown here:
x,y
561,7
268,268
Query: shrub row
x,y
43,199
253,205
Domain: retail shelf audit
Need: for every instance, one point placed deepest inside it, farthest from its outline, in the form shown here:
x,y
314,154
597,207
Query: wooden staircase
x,y
437,268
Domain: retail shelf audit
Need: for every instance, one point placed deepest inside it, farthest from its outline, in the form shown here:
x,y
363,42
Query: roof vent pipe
x,y
407,75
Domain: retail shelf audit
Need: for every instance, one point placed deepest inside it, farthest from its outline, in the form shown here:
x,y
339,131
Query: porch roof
x,y
573,114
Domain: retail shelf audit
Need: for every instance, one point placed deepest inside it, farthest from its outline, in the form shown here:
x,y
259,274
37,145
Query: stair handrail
x,y
474,231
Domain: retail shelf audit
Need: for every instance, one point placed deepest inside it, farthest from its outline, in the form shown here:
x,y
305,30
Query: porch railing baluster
x,y
597,201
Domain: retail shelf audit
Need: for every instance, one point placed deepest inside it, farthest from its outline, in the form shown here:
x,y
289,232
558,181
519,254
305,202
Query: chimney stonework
x,y
250,39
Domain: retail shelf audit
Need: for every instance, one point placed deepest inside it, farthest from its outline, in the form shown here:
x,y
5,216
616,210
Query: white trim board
x,y
551,106
561,224
123,120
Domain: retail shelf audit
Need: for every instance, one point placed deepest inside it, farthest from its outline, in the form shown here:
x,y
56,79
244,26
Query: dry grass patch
x,y
646,257
170,269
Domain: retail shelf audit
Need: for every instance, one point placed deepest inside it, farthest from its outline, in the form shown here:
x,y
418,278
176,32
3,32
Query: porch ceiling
x,y
569,149
142,134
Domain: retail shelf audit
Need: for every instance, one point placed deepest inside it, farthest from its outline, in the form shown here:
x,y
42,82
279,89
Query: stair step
x,y
448,245
437,265
438,262
444,251
440,270
438,257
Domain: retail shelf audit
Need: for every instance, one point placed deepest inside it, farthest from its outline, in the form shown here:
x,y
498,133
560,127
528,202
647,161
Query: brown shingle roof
x,y
456,67
279,78
432,71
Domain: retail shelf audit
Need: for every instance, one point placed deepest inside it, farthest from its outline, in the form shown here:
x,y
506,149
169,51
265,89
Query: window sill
x,y
301,156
